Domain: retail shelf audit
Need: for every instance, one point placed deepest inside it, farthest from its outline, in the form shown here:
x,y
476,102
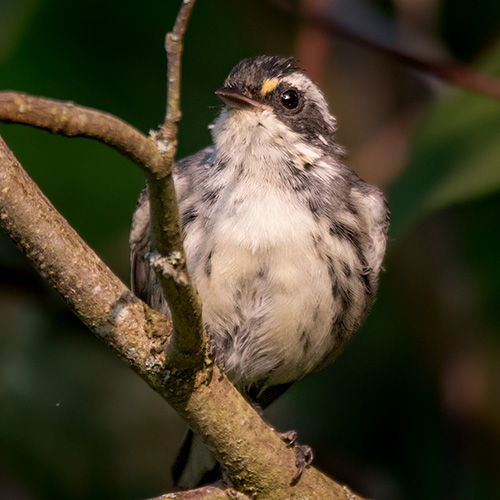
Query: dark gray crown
x,y
256,69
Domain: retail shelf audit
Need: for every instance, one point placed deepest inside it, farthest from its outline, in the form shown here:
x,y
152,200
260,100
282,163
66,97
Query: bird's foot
x,y
303,454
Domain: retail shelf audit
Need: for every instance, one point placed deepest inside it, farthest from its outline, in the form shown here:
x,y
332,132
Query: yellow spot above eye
x,y
269,86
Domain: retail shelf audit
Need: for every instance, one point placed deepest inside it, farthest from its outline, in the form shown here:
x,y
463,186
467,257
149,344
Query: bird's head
x,y
270,102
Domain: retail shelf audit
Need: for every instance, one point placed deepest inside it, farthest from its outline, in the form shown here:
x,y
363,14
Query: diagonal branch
x,y
101,301
255,457
455,74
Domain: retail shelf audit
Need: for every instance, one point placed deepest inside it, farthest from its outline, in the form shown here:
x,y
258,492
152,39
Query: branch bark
x,y
206,493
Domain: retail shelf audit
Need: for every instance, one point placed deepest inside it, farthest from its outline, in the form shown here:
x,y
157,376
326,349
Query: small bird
x,y
283,240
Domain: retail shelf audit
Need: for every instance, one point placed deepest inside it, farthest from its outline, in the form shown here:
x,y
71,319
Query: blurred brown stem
x,y
461,76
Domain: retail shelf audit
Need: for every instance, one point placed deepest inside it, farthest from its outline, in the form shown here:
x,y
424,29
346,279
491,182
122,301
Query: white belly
x,y
266,293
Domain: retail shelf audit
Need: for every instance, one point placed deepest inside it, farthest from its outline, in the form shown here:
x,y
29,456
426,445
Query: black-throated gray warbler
x,y
284,242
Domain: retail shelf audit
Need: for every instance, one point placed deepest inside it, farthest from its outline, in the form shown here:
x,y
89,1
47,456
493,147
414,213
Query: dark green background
x,y
411,409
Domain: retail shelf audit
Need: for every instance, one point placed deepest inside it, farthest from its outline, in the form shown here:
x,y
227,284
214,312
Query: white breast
x,y
266,288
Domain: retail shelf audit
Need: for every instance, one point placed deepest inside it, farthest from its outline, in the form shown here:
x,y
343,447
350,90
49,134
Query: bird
x,y
283,240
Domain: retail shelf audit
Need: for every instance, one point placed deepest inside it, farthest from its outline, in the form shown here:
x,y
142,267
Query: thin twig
x,y
173,46
169,261
71,120
167,136
455,74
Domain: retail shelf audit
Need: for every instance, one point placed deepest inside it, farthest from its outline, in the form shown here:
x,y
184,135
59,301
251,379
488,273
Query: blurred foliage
x,y
411,410
454,156
466,29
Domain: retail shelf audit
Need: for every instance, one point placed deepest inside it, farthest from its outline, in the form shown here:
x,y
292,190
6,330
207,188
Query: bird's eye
x,y
290,99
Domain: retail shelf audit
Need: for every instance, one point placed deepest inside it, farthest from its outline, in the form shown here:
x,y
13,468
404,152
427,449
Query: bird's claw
x,y
289,438
303,454
303,458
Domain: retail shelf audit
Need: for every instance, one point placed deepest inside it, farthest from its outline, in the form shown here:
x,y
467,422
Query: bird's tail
x,y
194,466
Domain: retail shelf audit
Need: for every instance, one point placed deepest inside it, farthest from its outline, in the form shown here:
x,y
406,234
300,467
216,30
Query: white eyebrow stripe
x,y
305,84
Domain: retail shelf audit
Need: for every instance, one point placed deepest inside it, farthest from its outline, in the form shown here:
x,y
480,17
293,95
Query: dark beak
x,y
233,97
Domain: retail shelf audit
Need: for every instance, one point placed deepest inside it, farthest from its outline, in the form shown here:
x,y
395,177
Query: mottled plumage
x,y
284,241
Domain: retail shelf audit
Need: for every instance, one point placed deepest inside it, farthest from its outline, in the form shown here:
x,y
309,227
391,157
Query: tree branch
x,y
173,46
102,302
256,459
169,261
455,74
72,120
155,158
206,493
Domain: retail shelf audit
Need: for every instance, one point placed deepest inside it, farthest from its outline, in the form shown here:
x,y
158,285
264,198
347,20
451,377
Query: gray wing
x,y
139,241
144,284
361,217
